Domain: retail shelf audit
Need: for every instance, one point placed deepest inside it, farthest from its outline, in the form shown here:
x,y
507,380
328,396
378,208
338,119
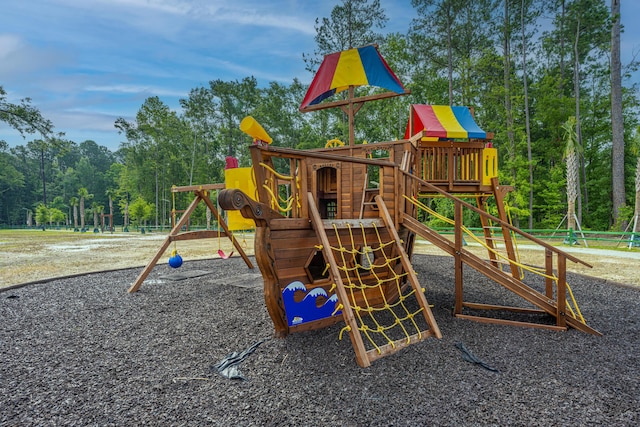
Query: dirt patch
x,y
27,256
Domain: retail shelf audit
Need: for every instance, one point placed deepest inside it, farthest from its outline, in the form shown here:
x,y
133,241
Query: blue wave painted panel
x,y
307,310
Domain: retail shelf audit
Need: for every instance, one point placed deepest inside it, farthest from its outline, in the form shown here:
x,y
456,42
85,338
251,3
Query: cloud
x,y
84,120
18,58
252,16
136,89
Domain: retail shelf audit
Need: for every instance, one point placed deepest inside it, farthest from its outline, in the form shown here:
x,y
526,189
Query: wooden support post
x,y
548,281
450,167
506,233
562,292
488,236
458,258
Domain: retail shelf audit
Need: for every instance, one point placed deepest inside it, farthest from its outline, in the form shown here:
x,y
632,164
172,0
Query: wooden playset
x,y
335,228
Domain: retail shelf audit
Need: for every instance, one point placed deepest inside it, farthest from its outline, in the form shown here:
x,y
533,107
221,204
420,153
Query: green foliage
x,y
45,215
453,52
549,207
56,216
23,117
626,215
140,211
42,214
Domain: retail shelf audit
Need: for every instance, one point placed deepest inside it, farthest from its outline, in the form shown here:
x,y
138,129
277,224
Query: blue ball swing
x,y
175,260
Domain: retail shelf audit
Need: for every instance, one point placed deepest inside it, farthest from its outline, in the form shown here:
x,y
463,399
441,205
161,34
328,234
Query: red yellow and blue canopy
x,y
353,67
443,121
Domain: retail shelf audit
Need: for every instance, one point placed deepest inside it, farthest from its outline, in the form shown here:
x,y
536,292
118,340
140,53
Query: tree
x,y
56,215
529,11
140,211
157,150
571,153
42,215
234,101
111,193
45,150
635,150
352,24
84,195
200,113
508,95
23,117
617,123
73,201
10,177
588,31
26,119
97,209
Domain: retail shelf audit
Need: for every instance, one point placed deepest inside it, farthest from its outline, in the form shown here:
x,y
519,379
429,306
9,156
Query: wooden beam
x,y
458,266
509,322
187,188
341,102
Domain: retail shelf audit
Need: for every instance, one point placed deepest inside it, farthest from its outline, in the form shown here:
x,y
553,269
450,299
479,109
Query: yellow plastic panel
x,y
489,165
242,179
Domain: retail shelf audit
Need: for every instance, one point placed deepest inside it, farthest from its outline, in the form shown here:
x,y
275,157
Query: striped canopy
x,y
443,121
353,67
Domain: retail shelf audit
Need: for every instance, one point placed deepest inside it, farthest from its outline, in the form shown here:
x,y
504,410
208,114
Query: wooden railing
x,y
282,179
552,300
451,163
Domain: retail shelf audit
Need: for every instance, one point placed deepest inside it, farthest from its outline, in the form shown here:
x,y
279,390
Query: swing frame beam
x,y
201,193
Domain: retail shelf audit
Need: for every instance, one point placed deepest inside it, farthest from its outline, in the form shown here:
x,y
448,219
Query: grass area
x,y
29,255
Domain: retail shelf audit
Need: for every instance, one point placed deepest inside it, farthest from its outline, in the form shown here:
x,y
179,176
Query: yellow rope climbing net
x,y
571,303
384,306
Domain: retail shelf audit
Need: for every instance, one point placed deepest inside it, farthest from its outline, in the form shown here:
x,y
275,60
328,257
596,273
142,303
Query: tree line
x,y
529,69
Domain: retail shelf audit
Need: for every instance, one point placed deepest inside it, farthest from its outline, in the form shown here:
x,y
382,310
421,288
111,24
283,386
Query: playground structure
x,y
336,227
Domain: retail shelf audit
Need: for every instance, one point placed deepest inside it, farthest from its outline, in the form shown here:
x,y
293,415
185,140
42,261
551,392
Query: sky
x,y
84,63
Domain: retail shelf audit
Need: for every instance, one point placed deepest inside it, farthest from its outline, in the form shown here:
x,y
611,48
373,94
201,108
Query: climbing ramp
x,y
381,300
556,300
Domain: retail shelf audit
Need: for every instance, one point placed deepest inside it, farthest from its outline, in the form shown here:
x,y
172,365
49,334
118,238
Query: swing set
x,y
201,193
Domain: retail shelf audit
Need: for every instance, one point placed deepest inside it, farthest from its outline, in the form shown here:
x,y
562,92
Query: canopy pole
x,y
351,113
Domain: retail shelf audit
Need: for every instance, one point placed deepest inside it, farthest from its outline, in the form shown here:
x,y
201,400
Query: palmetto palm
x,y
73,201
635,150
571,152
84,195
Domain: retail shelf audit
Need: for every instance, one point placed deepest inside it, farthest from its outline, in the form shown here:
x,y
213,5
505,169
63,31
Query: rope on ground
x,y
471,358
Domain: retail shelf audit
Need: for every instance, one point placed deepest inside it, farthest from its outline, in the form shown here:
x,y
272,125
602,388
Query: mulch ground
x,y
82,351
